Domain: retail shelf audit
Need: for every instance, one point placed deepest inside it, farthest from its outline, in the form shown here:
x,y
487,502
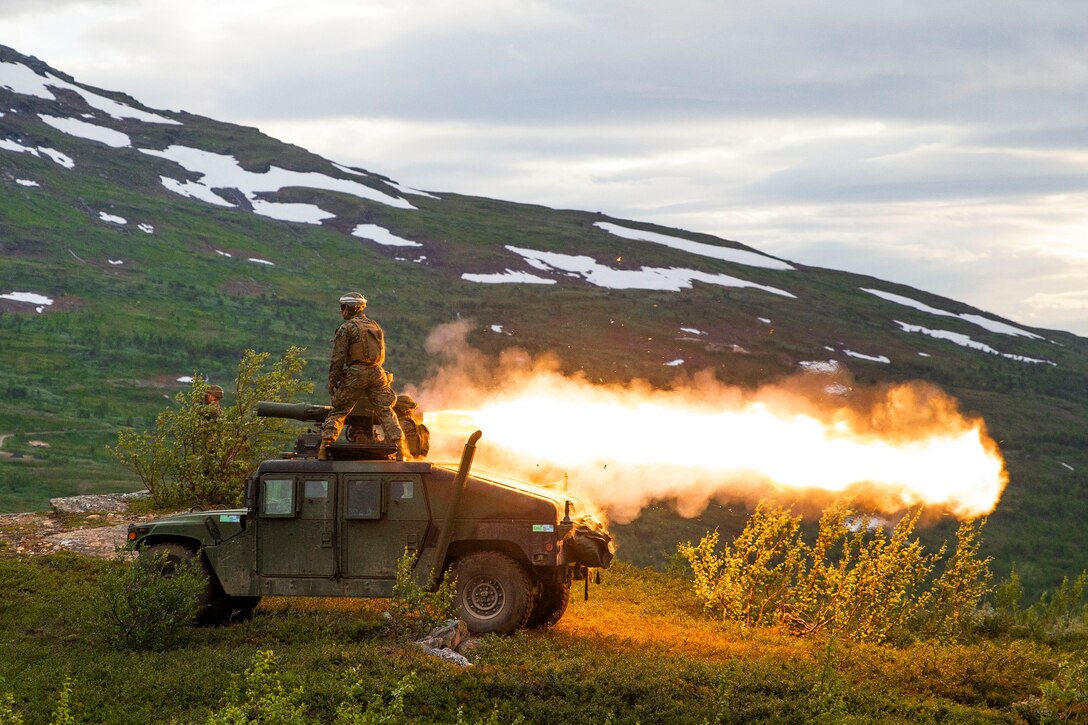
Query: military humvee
x,y
338,527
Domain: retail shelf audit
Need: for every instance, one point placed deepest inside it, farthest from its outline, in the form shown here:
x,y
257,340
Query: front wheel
x,y
493,594
215,606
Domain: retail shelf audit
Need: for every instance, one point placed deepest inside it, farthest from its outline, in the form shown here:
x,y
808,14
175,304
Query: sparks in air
x,y
625,447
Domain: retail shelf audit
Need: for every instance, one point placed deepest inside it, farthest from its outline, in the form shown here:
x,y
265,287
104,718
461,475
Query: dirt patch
x,y
243,288
97,534
36,534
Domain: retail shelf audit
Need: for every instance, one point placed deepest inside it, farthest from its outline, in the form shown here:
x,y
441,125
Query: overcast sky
x,y
941,144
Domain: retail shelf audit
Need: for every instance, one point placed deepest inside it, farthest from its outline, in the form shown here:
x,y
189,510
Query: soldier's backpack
x,y
369,348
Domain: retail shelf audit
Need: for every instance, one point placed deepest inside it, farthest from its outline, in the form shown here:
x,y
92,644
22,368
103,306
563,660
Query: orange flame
x,y
626,446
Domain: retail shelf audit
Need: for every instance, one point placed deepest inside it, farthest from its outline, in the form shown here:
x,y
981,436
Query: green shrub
x,y
1058,616
141,609
414,609
259,696
377,710
194,457
63,714
855,579
8,714
859,582
1063,614
750,580
951,606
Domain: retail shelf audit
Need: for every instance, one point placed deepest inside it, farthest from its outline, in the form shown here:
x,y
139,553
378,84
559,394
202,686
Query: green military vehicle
x,y
337,527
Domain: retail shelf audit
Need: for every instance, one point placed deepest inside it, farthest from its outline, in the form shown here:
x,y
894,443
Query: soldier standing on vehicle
x,y
355,374
410,417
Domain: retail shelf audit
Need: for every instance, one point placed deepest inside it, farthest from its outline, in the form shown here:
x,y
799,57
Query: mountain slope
x,y
138,246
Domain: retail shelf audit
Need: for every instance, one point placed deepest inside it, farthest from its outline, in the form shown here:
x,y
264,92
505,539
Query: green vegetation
x,y
199,453
140,609
856,580
641,650
414,610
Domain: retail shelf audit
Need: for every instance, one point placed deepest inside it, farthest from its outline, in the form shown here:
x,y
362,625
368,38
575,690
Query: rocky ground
x,y
90,525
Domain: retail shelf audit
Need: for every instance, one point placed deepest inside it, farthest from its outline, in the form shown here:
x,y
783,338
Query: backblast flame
x,y
624,447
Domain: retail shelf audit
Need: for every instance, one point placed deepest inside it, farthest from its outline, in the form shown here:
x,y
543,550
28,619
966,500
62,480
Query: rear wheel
x,y
215,606
550,604
494,594
241,608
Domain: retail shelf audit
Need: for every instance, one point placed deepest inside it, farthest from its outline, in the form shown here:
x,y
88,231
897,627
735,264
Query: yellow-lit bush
x,y
855,579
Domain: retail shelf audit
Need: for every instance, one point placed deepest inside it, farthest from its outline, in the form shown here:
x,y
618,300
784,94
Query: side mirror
x,y
251,494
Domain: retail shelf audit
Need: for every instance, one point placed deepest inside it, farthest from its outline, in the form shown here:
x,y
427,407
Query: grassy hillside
x,y
107,353
640,650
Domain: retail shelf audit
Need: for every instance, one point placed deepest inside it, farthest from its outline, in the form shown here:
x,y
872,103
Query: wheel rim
x,y
484,597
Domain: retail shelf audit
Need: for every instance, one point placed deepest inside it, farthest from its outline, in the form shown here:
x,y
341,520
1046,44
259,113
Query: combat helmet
x,y
406,401
215,391
353,299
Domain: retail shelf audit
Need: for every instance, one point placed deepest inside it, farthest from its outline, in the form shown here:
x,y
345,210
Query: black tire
x,y
494,594
551,603
215,606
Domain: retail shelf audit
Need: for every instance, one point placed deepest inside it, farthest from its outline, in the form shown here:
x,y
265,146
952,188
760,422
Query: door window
x,y
316,489
278,497
364,499
401,490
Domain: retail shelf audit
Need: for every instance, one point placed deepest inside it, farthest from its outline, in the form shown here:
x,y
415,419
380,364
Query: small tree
x,y
194,457
414,610
953,599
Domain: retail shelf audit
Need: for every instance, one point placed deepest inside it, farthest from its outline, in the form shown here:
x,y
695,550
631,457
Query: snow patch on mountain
x,y
728,254
820,366
871,358
27,183
112,218
671,279
28,297
302,213
983,322
507,277
89,131
193,190
382,236
409,190
965,341
53,154
223,171
23,80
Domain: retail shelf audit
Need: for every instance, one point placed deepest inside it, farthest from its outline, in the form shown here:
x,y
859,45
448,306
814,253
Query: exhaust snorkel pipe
x,y
451,513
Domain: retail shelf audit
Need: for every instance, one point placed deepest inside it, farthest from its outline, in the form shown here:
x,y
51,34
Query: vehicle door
x,y
383,514
297,527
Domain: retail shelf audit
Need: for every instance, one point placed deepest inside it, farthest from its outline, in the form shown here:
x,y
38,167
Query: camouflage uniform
x,y
416,435
355,374
210,408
